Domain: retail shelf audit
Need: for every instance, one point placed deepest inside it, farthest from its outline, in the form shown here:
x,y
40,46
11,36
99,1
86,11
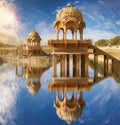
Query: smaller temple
x,y
33,47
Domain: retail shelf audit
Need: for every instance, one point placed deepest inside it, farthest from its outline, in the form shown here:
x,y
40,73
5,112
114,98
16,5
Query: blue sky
x,y
102,18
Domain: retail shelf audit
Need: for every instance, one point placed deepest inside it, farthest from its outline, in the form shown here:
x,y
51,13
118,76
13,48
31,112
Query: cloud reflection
x,y
8,93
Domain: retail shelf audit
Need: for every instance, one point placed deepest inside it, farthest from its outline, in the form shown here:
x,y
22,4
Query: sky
x,y
20,17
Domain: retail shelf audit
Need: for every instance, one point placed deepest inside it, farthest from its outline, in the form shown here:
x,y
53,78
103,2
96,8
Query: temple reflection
x,y
69,109
70,103
69,106
32,76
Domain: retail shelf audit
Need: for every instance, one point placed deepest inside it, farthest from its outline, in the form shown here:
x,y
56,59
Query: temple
x,y
33,47
70,19
71,55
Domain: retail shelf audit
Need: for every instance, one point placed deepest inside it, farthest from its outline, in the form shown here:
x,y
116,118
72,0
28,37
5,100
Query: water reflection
x,y
1,61
70,103
9,88
69,109
69,106
115,73
76,98
32,76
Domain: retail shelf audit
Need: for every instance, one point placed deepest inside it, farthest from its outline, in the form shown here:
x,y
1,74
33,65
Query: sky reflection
x,y
9,88
19,107
102,104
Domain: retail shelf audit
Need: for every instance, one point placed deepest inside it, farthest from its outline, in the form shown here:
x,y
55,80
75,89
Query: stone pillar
x,y
105,65
67,65
77,65
74,65
76,35
95,65
57,34
72,35
63,65
81,34
82,65
54,65
60,65
113,65
86,65
65,33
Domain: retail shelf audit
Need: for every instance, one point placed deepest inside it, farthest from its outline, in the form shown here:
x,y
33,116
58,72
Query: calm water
x,y
18,106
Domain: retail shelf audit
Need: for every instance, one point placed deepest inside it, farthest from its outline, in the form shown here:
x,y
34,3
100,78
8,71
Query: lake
x,y
26,100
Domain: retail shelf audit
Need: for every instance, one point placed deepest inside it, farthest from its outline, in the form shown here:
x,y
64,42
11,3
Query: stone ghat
x,y
40,61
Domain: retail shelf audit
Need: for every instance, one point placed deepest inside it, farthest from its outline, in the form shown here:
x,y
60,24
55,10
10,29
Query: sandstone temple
x,y
70,58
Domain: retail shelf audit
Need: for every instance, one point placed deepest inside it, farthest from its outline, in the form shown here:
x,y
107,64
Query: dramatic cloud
x,y
76,2
10,23
118,22
46,31
96,34
101,14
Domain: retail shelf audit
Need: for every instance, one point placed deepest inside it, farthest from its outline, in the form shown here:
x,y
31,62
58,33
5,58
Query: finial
x,y
69,5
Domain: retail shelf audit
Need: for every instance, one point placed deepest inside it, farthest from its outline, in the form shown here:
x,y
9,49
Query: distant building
x,y
32,47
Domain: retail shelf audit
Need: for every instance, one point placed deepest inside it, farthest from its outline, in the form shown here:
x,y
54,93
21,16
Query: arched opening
x,y
61,34
69,34
71,29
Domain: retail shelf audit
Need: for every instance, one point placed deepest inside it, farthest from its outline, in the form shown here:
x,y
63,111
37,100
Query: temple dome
x,y
69,12
69,18
33,87
33,37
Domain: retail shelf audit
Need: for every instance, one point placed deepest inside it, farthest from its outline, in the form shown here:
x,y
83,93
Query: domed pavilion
x,y
69,18
69,42
33,47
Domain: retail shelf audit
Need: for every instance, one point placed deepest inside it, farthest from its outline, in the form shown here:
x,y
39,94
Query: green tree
x,y
102,43
115,41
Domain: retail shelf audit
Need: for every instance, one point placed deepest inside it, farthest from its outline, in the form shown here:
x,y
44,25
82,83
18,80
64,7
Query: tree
x,y
102,43
115,41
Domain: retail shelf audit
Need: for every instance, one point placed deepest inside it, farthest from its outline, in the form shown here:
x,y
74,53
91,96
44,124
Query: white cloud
x,y
92,11
46,31
100,1
8,93
118,22
106,25
10,23
96,34
76,2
